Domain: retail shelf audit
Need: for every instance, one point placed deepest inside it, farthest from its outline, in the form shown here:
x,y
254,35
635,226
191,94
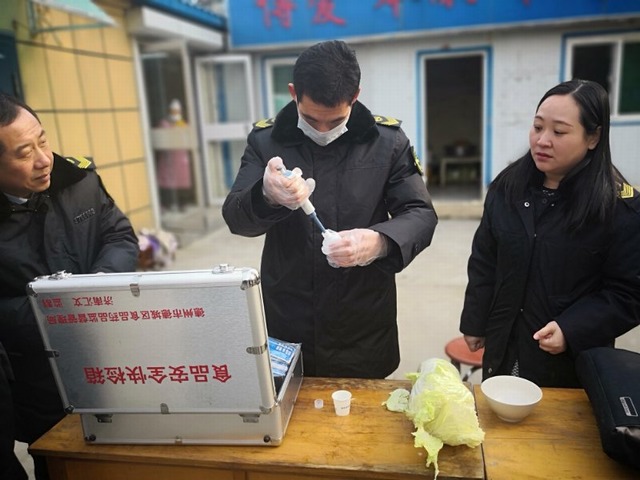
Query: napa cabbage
x,y
441,408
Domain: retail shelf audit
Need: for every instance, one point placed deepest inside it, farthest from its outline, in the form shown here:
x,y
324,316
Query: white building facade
x,y
464,77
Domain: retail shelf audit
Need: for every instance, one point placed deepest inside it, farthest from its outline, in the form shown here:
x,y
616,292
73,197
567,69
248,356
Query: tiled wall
x,y
82,84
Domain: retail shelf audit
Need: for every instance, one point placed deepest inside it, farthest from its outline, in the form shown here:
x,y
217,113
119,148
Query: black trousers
x,y
10,467
37,406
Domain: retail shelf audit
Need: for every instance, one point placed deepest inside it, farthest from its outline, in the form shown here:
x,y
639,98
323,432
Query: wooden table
x,y
369,443
558,440
448,161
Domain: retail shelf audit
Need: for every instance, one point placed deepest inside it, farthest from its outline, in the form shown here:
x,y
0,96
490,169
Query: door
x,y
166,68
454,124
227,112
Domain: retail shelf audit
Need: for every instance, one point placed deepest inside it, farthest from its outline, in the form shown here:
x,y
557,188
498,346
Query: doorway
x,y
167,73
226,115
454,102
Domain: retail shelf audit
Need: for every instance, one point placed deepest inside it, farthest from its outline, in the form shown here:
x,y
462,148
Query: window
x,y
612,61
9,73
279,74
282,77
630,81
593,62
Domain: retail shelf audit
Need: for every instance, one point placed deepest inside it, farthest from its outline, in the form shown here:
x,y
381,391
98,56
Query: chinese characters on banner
x,y
325,10
141,375
138,374
125,315
113,315
394,4
281,11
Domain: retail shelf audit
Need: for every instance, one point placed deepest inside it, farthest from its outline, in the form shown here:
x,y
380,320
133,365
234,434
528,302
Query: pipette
x,y
307,206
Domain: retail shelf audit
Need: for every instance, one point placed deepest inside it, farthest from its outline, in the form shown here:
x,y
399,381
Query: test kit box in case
x,y
166,357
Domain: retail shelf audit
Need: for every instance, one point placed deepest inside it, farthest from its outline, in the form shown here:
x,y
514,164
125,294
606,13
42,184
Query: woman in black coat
x,y
555,262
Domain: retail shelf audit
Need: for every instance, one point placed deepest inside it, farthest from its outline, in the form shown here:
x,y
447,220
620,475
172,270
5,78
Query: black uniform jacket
x,y
367,178
525,273
73,226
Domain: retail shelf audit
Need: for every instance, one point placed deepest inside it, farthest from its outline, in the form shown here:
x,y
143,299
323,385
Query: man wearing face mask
x,y
368,188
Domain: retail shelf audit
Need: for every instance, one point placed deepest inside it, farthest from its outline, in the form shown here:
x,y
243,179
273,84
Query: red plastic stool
x,y
460,354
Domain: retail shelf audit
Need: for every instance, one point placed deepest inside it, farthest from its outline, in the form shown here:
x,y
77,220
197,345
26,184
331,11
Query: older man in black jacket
x,y
54,215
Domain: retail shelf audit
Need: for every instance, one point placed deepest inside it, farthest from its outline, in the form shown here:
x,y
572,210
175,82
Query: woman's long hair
x,y
591,188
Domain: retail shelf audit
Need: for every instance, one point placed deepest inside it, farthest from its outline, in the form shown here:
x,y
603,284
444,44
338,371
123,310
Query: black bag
x,y
611,378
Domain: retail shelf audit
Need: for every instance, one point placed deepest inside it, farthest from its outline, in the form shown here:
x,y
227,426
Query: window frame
x,y
269,65
617,40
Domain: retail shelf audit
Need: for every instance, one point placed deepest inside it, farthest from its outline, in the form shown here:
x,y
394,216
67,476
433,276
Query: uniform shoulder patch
x,y
630,196
626,191
85,163
416,161
387,121
264,123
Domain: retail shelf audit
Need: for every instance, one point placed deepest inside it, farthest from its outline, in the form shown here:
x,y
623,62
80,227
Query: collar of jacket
x,y
567,182
63,174
573,173
361,125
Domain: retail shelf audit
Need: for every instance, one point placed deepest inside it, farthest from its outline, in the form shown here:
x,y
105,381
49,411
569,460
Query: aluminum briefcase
x,y
176,357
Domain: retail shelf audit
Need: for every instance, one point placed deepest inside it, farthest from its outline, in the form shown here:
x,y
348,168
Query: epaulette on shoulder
x,y
264,123
86,163
627,191
387,121
630,196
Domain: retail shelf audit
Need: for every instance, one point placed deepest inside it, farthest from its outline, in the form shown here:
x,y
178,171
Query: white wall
x,y
388,81
526,65
625,151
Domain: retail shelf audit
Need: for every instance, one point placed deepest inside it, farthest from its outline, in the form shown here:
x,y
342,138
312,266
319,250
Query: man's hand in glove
x,y
357,247
289,191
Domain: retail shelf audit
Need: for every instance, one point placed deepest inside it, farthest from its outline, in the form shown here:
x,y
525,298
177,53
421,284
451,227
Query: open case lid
x,y
168,342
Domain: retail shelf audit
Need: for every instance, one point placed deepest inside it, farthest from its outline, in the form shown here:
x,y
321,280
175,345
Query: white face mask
x,y
322,138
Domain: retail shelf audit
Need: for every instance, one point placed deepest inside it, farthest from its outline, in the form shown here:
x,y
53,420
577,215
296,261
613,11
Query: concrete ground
x,y
430,290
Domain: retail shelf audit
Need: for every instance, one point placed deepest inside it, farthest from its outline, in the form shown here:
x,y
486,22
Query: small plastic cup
x,y
341,402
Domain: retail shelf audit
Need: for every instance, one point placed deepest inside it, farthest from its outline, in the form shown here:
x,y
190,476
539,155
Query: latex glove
x,y
329,238
357,247
279,189
551,339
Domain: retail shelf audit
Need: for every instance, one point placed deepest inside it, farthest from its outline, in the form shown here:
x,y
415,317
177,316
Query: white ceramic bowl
x,y
511,398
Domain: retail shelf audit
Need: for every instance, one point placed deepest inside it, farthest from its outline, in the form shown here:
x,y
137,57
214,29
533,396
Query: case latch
x,y
250,417
223,268
259,350
134,287
104,417
61,275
